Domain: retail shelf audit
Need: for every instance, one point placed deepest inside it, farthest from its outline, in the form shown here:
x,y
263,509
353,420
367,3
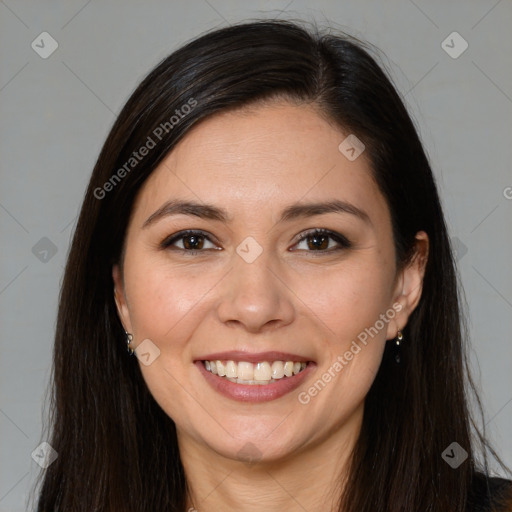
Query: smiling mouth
x,y
261,373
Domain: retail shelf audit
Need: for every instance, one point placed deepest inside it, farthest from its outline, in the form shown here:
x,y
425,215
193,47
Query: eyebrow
x,y
292,212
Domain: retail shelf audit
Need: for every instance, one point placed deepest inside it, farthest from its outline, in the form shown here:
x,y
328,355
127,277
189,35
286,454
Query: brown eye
x,y
191,241
319,240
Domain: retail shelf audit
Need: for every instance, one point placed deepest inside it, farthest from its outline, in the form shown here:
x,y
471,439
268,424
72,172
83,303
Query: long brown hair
x,y
117,448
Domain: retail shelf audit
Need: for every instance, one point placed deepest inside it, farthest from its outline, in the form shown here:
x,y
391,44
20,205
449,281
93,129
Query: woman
x,y
260,306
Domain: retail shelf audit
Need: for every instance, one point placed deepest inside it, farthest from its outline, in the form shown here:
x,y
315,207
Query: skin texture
x,y
253,163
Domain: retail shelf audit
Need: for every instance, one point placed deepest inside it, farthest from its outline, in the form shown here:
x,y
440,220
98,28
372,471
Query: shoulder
x,y
490,494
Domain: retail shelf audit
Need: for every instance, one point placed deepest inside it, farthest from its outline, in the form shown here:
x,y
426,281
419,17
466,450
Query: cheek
x,y
348,299
157,299
166,306
349,304
168,302
343,299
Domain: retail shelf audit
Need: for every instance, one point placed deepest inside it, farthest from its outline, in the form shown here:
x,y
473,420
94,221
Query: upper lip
x,y
240,355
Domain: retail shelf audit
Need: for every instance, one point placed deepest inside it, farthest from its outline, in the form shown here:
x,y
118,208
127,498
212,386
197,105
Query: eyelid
x,y
168,241
342,241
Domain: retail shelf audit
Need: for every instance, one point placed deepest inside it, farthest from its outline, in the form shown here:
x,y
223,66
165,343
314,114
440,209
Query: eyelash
x,y
343,242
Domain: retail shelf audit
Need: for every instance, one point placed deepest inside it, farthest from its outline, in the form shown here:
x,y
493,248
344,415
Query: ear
x,y
409,285
120,298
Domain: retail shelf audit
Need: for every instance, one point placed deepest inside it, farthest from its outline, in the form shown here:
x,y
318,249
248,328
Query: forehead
x,y
268,154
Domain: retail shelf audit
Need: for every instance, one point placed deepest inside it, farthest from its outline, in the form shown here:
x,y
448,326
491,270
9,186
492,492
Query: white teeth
x,y
264,372
245,371
277,370
221,369
231,369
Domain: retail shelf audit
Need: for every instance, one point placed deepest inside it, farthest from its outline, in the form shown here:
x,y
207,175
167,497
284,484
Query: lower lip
x,y
256,392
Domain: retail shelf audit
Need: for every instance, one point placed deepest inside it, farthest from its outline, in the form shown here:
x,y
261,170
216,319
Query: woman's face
x,y
247,284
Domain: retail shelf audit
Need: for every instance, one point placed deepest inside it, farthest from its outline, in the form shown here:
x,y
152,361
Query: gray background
x,y
56,113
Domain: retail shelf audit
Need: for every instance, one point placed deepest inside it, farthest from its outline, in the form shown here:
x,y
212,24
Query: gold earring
x,y
129,339
398,340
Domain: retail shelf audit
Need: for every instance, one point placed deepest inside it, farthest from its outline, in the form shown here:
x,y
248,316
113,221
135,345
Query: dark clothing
x,y
490,494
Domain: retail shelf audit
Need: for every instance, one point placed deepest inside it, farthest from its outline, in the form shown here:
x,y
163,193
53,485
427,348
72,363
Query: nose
x,y
255,297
